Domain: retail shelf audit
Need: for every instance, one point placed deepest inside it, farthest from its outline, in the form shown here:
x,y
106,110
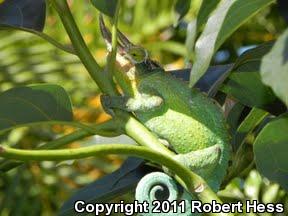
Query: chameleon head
x,y
127,52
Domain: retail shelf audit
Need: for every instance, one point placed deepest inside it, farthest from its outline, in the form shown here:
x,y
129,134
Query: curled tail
x,y
158,186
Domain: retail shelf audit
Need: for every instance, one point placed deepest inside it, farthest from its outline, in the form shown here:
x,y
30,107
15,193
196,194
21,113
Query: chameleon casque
x,y
192,124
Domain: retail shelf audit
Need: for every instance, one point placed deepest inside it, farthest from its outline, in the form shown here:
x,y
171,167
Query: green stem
x,y
81,48
191,180
7,165
100,78
143,136
104,129
109,128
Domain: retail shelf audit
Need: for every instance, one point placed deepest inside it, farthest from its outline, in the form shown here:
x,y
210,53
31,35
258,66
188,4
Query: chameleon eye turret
x,y
137,55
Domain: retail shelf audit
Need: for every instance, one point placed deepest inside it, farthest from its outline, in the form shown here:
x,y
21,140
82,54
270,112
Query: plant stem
x,y
81,48
104,129
101,79
110,128
7,165
191,180
143,136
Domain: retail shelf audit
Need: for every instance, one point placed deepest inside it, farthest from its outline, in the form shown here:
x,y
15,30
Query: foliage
x,y
252,90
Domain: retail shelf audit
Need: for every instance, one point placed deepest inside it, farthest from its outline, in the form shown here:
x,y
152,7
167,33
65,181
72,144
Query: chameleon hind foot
x,y
203,161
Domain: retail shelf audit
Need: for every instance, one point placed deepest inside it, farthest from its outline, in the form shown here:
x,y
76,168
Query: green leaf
x,y
245,85
207,6
252,120
181,9
225,19
33,104
110,186
233,118
248,88
28,16
23,13
270,149
209,83
274,68
106,7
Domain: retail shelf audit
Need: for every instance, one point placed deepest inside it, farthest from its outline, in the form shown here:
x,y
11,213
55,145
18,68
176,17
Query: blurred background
x,y
41,188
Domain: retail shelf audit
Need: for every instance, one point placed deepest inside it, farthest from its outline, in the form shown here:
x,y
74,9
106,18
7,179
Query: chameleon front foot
x,y
106,104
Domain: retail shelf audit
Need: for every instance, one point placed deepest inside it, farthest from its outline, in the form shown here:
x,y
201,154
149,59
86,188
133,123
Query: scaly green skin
x,y
189,121
193,124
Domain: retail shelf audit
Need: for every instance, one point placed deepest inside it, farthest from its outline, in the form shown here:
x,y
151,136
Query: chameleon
x,y
192,124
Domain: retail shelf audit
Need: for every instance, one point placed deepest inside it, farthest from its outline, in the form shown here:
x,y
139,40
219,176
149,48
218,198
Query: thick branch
x,y
81,48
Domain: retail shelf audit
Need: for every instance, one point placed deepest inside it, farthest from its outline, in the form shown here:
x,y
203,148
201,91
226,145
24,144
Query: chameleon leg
x,y
144,102
203,161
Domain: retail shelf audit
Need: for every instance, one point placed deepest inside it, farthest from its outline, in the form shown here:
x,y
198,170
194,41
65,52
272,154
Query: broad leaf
x,y
23,13
32,104
106,7
207,6
244,83
181,9
246,86
283,8
225,19
274,68
28,16
252,120
110,186
233,118
211,80
270,149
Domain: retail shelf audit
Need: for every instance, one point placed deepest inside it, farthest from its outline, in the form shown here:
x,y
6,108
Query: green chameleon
x,y
192,124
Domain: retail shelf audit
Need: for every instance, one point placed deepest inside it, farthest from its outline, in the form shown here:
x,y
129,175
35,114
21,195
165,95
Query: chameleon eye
x,y
137,54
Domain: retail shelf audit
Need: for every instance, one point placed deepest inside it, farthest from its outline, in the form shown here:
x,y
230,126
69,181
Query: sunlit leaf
x,y
270,149
225,19
274,68
207,6
181,8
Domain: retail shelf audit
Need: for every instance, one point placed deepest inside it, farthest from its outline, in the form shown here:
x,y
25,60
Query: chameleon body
x,y
192,124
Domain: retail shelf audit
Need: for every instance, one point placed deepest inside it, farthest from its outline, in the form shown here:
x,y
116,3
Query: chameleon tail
x,y
159,186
